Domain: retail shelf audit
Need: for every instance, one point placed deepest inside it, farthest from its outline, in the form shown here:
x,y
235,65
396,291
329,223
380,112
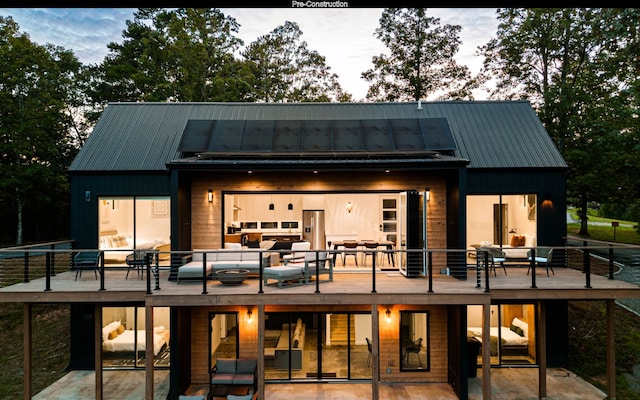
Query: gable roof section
x,y
147,136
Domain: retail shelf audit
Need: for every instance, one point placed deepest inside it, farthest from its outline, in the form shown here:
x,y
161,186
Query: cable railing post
x,y
318,271
486,271
430,270
157,274
47,273
587,268
373,276
25,277
532,267
147,266
204,273
102,287
53,260
478,264
260,289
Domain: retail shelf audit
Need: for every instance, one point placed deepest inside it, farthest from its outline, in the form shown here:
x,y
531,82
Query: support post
x,y
148,352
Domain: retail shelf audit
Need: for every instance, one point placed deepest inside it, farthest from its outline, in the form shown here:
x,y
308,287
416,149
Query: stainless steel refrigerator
x,y
313,228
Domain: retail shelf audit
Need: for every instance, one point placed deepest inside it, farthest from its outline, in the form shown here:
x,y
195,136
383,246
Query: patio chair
x,y
369,347
543,256
86,261
298,252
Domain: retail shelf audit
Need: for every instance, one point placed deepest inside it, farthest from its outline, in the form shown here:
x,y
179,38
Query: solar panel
x,y
195,136
351,136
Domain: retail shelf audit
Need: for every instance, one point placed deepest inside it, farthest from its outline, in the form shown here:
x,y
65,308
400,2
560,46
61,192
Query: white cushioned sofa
x,y
223,259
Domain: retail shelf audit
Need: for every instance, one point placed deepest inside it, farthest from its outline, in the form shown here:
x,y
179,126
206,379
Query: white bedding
x,y
125,341
508,337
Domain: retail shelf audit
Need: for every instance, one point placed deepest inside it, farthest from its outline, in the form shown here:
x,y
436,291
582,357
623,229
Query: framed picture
x,y
159,208
531,206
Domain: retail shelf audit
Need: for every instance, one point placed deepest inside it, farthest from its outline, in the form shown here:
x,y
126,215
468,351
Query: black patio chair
x,y
86,261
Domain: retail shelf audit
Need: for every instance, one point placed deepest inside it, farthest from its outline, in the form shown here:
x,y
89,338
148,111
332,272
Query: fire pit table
x,y
232,276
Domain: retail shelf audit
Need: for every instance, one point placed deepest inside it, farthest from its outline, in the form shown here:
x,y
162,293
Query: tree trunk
x,y
584,226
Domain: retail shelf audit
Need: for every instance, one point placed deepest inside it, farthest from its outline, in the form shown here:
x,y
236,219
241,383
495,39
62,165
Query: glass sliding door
x,y
317,346
125,223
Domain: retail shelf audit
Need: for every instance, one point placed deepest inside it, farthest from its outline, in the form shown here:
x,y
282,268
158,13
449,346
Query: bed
x,y
513,337
116,246
117,339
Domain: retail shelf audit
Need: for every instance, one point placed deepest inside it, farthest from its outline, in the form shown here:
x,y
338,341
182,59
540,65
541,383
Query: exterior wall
x,y
206,224
389,343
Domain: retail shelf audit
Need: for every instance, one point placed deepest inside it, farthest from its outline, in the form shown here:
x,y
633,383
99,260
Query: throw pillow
x,y
113,334
120,329
517,330
521,240
514,241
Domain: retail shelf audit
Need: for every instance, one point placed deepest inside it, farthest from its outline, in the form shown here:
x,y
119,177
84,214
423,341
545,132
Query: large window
x,y
124,337
126,223
498,219
414,341
512,333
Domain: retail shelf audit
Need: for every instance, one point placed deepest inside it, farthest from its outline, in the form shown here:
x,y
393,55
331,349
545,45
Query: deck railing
x,y
49,267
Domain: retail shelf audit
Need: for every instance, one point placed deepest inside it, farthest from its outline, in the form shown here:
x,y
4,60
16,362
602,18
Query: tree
x,y
182,54
420,60
37,90
284,69
566,62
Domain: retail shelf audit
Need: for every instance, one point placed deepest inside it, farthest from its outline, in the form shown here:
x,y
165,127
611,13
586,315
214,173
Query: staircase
x,y
338,334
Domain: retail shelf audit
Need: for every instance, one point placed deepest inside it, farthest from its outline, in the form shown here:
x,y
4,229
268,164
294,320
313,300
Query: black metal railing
x,y
50,267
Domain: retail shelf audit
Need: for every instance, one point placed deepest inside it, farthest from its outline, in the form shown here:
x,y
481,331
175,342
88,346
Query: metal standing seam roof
x,y
146,136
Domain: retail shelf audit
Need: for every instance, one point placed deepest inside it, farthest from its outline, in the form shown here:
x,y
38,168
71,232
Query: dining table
x,y
386,244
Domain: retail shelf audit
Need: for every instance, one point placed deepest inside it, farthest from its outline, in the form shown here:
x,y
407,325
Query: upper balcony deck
x,y
46,275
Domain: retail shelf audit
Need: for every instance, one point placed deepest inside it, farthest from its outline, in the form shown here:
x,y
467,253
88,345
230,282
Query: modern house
x,y
432,184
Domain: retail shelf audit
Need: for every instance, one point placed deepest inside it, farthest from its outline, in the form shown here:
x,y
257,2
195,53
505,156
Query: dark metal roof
x,y
147,136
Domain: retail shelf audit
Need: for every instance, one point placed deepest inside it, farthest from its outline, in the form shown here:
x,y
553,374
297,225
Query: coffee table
x,y
232,276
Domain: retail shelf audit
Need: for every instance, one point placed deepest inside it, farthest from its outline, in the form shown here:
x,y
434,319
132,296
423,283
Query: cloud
x,y
345,37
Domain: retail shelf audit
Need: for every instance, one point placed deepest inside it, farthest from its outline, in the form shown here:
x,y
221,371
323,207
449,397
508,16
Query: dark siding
x,y
84,215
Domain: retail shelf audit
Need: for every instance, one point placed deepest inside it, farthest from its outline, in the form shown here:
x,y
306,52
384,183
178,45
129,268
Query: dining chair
x,y
413,348
369,347
350,249
370,248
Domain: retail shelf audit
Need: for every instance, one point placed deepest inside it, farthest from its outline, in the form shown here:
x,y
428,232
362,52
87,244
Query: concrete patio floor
x,y
506,384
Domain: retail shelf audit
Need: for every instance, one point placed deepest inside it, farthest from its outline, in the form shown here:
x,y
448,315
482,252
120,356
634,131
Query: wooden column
x,y
611,350
375,357
486,352
148,352
541,336
26,338
261,388
97,349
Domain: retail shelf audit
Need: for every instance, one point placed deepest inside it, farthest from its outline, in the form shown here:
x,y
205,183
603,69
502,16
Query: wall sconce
x,y
388,313
547,203
271,206
210,196
427,194
249,316
349,206
87,196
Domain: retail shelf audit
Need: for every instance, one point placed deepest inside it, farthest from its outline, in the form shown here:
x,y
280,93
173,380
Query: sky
x,y
345,37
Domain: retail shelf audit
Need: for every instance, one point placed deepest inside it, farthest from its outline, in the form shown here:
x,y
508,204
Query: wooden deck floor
x,y
358,283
